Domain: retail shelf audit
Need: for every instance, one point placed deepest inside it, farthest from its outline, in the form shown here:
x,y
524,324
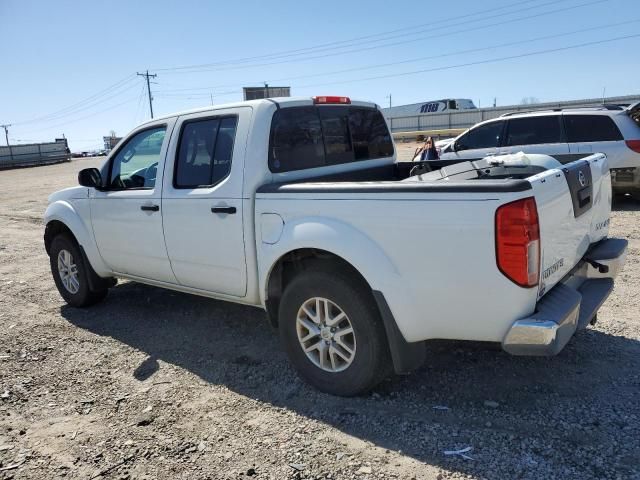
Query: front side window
x,y
204,152
309,137
484,136
534,131
136,163
591,128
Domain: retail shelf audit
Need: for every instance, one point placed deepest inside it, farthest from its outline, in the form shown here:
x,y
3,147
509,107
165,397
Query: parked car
x,y
297,206
567,135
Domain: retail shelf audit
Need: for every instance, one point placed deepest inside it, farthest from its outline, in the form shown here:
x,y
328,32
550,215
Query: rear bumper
x,y
569,306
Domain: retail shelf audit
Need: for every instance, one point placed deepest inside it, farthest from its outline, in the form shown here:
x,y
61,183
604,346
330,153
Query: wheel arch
x,y
61,217
288,265
52,230
327,240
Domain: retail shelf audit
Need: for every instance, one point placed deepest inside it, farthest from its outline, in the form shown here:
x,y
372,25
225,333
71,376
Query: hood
x,y
69,193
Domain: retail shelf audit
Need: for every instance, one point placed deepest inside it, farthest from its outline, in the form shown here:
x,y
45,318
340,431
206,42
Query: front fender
x,y
73,217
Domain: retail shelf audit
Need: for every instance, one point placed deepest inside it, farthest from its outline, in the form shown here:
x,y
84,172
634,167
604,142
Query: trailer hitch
x,y
601,268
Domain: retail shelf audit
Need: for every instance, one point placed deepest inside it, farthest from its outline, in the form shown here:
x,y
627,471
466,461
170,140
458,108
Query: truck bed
x,y
435,233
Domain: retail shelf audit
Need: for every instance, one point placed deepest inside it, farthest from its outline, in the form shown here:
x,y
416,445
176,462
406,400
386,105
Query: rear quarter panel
x,y
431,255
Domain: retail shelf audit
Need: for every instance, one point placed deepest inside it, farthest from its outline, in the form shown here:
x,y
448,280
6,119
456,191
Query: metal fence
x,y
463,119
34,154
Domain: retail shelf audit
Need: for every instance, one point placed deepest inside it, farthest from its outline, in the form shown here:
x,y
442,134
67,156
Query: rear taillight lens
x,y
518,241
633,145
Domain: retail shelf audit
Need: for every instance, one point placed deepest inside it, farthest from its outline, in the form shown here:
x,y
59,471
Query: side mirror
x,y
90,177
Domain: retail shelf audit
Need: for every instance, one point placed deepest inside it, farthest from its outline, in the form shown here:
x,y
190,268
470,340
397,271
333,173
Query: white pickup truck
x,y
298,207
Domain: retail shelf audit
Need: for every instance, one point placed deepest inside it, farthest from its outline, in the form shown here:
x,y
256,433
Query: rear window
x,y
591,128
534,130
308,137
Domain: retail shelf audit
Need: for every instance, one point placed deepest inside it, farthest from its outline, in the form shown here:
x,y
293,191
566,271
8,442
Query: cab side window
x,y
136,163
484,136
205,151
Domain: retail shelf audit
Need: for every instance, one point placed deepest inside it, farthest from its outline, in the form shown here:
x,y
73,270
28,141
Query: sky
x,y
69,67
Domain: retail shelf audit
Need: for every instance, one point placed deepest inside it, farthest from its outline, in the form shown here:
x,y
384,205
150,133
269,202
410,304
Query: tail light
x,y
518,241
634,145
328,100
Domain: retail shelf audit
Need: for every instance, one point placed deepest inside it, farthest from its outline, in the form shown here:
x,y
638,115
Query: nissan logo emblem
x,y
582,179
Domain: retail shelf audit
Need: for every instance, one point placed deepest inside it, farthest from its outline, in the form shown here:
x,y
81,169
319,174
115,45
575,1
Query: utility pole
x,y
266,90
495,101
211,95
6,132
147,76
389,97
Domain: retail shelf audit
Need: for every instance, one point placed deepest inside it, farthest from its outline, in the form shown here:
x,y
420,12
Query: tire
x,y
65,254
370,360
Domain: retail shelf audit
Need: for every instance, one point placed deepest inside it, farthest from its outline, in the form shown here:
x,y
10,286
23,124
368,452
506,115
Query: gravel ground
x,y
155,384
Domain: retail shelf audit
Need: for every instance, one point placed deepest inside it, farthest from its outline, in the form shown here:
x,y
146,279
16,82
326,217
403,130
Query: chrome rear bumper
x,y
569,306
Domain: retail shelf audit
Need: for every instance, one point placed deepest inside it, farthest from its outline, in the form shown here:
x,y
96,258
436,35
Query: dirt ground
x,y
152,384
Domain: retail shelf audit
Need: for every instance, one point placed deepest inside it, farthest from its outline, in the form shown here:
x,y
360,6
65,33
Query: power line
x,y
400,62
64,111
481,62
468,64
346,43
88,106
147,77
204,68
112,107
137,113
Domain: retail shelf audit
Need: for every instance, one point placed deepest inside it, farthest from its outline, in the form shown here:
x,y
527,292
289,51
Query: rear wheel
x,y
70,273
333,333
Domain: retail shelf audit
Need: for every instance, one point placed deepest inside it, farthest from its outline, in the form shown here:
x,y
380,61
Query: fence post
x,y
39,154
10,155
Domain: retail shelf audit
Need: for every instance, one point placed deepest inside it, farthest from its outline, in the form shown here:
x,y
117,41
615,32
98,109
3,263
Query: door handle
x,y
150,208
229,210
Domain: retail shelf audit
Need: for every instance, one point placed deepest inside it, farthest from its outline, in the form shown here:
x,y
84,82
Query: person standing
x,y
428,151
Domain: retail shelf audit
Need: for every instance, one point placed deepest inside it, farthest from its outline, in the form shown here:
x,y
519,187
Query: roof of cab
x,y
278,101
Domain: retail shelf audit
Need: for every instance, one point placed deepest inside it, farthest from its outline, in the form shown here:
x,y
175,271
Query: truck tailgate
x,y
574,205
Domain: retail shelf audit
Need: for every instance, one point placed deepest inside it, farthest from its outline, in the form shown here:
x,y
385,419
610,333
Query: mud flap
x,y
406,356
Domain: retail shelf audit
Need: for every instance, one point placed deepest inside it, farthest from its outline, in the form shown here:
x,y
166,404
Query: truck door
x,y
126,214
202,201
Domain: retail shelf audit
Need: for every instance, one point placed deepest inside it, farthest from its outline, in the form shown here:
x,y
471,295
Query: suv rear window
x,y
591,128
534,130
308,137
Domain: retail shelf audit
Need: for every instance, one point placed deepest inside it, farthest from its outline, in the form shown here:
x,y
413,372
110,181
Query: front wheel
x,y
332,332
70,273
